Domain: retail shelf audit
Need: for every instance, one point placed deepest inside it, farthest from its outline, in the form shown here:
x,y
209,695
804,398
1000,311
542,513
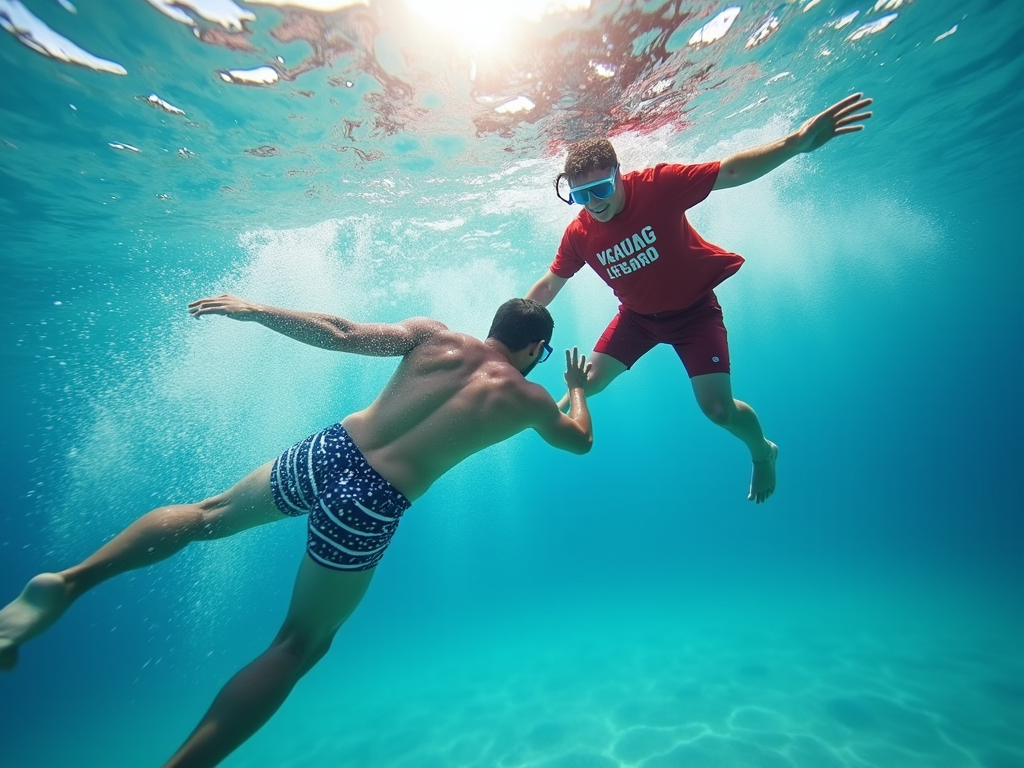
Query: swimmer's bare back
x,y
452,395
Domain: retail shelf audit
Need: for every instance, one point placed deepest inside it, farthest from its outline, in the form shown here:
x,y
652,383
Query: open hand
x,y
225,304
842,117
577,369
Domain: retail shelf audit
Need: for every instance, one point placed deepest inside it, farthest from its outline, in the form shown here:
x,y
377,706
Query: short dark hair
x,y
589,155
520,322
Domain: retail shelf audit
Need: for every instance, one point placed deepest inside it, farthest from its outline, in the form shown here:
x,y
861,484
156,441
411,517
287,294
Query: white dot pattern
x,y
353,511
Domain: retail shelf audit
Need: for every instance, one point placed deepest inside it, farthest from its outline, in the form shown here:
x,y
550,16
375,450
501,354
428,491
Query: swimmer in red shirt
x,y
633,232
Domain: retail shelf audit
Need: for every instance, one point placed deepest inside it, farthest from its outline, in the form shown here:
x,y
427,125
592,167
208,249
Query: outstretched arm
x,y
842,117
545,289
322,330
573,431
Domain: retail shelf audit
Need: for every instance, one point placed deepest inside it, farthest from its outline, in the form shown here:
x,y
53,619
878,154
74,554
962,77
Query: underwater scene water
x,y
393,158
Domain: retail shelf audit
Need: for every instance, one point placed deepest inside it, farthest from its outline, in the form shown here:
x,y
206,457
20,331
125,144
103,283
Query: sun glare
x,y
481,25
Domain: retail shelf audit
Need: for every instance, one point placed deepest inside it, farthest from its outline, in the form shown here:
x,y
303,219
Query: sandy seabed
x,y
666,699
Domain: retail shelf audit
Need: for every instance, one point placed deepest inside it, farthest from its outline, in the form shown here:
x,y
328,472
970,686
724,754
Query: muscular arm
x,y
545,289
842,117
744,167
573,431
322,330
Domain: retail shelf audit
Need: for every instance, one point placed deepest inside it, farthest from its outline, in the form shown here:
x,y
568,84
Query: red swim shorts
x,y
697,334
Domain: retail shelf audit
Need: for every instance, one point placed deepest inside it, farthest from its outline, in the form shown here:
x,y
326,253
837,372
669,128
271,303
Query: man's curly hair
x,y
587,155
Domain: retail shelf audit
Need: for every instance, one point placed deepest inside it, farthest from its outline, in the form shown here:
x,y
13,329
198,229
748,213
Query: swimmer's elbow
x,y
337,334
584,445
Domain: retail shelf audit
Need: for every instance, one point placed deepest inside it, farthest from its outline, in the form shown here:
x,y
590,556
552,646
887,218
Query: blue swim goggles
x,y
601,189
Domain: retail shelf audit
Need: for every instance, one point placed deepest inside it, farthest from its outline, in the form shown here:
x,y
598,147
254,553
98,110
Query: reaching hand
x,y
834,121
577,369
225,304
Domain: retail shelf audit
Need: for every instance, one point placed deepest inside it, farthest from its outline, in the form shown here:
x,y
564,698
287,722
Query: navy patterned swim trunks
x,y
353,510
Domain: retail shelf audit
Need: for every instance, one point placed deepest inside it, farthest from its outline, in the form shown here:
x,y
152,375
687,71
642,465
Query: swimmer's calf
x,y
42,602
451,396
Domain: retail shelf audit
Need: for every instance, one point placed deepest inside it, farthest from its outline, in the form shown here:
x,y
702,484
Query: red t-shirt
x,y
648,253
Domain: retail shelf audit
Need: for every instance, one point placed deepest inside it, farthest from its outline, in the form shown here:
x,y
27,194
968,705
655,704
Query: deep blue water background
x,y
536,609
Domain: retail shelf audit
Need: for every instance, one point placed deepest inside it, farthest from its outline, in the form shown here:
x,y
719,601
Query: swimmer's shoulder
x,y
531,399
425,329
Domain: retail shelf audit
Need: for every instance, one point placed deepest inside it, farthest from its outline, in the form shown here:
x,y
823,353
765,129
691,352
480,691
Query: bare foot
x,y
762,481
40,604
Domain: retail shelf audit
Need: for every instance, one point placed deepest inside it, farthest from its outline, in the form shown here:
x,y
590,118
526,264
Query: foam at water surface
x,y
335,100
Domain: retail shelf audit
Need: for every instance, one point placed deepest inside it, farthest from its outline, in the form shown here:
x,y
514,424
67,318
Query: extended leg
x,y
714,395
153,537
605,370
323,598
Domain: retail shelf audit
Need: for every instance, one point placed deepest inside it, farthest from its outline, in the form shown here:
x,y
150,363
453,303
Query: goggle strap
x,y
570,200
558,191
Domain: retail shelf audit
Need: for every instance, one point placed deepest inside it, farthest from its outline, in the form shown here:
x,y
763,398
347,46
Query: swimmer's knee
x,y
181,523
718,411
307,649
213,503
598,385
210,515
606,369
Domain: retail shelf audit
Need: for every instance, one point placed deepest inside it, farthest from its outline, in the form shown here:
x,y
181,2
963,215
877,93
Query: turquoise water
x,y
536,609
